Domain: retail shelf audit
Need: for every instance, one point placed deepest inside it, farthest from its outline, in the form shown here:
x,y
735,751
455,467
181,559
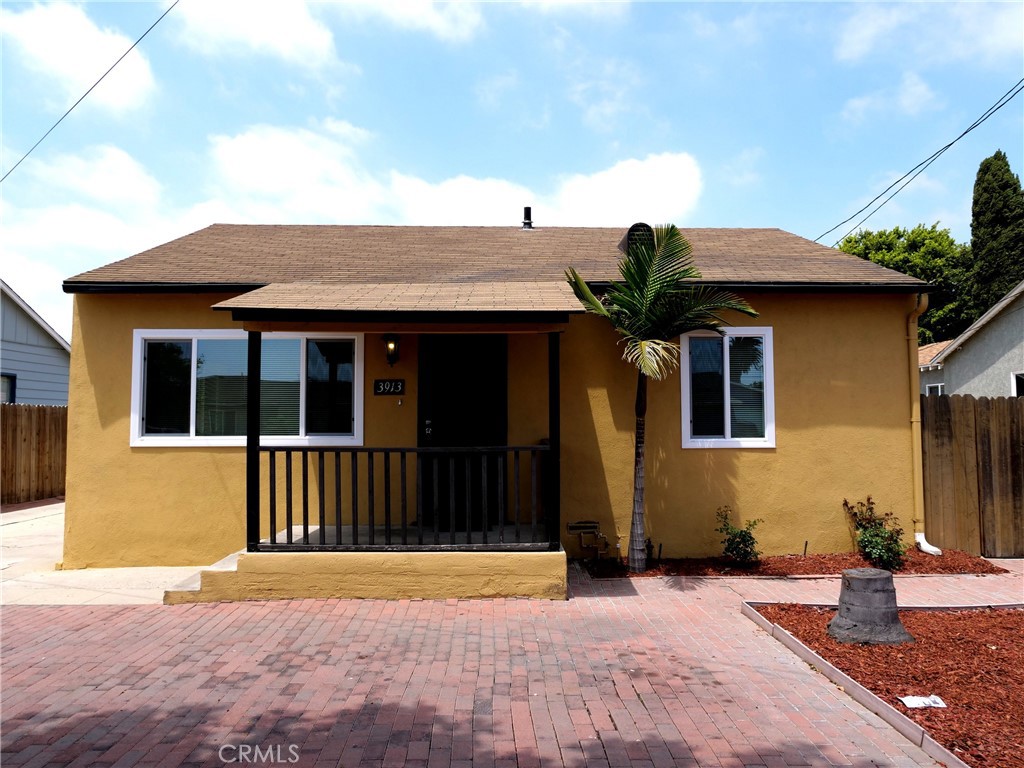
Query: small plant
x,y
740,544
879,537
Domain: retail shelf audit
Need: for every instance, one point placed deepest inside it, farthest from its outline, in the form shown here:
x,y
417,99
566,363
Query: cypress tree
x,y
997,232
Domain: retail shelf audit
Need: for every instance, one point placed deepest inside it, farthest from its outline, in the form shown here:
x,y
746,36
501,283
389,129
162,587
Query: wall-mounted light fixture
x,y
391,349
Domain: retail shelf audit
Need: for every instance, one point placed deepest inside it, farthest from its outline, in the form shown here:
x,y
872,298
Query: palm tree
x,y
657,301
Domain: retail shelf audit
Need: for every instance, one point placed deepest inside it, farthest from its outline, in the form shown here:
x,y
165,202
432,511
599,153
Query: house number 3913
x,y
389,386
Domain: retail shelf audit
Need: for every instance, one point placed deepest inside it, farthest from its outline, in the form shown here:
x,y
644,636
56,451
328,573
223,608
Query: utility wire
x,y
80,100
914,172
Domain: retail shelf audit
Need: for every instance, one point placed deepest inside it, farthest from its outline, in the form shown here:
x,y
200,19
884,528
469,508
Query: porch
x,y
448,484
345,499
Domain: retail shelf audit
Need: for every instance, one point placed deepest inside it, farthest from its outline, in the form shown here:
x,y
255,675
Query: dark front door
x,y
463,403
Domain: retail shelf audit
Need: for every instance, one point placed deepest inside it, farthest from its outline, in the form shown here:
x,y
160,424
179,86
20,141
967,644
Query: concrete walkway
x,y
646,672
31,547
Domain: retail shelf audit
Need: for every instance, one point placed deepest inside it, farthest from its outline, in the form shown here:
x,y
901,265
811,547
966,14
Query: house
x,y
932,380
986,360
435,412
34,359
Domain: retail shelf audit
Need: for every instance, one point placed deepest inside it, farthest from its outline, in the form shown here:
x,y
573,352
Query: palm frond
x,y
658,300
655,358
582,291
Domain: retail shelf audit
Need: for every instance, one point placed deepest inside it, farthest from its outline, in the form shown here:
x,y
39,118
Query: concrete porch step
x,y
381,575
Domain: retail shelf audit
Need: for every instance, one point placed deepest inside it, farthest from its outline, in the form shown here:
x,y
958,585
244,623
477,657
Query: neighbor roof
x,y
980,323
926,353
243,256
9,292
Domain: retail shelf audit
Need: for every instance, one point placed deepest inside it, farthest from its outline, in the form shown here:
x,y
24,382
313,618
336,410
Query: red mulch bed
x,y
972,659
917,562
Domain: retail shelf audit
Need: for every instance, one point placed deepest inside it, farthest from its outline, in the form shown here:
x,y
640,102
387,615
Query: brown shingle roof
x,y
244,254
410,297
926,353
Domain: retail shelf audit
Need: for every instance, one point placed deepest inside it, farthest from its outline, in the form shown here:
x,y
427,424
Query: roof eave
x,y
95,286
446,317
801,286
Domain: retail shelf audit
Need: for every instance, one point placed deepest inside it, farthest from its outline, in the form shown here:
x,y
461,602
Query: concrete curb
x,y
903,724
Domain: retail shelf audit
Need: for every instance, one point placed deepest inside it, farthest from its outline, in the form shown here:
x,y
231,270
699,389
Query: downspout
x,y
915,426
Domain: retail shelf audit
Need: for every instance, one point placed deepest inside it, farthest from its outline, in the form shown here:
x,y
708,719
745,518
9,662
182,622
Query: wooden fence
x,y
33,450
974,473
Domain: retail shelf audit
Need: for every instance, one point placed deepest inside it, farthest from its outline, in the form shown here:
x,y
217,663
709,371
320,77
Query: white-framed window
x,y
1017,384
935,389
728,389
189,388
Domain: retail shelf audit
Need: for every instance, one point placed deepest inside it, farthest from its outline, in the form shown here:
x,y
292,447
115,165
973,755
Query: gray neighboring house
x,y
986,360
932,381
34,358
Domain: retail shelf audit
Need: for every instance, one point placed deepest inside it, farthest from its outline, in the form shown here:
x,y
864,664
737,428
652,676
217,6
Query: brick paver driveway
x,y
645,672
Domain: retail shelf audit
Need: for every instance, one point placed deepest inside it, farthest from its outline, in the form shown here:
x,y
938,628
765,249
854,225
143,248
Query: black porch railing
x,y
366,499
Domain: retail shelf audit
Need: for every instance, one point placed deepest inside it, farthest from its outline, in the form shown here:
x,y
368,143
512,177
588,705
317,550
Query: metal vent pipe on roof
x,y
527,218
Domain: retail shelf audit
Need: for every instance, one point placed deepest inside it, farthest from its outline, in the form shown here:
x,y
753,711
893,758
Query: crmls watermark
x,y
258,755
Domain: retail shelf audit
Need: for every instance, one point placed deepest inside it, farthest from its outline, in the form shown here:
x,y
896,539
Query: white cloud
x,y
741,171
284,30
490,91
988,32
608,10
911,97
603,90
41,246
661,188
104,175
701,25
869,26
108,206
858,108
61,43
934,33
278,174
269,173
914,96
449,21
462,200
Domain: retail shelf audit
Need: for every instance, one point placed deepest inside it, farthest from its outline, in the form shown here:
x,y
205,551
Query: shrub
x,y
740,544
879,537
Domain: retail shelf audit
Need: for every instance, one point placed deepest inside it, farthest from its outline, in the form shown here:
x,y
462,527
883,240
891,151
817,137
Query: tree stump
x,y
867,610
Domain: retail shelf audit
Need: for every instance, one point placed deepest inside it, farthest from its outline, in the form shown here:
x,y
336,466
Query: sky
x,y
789,115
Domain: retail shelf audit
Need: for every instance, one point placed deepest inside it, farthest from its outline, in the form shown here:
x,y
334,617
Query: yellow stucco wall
x,y
186,505
842,415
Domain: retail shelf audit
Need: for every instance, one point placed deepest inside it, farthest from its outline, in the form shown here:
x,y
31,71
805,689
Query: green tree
x,y
657,301
997,231
930,254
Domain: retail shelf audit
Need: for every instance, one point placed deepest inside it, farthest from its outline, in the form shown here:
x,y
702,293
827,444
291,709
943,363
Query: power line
x,y
80,100
914,172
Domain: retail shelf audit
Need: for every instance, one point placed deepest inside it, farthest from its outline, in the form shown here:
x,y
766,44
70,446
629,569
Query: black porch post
x,y
554,514
252,444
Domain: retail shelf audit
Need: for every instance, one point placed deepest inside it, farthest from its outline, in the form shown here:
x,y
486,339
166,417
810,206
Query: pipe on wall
x,y
915,426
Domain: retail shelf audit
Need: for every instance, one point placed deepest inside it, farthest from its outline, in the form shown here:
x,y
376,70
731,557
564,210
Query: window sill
x,y
723,443
276,441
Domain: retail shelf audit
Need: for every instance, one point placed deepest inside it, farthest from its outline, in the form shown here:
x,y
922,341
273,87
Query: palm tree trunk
x,y
637,536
